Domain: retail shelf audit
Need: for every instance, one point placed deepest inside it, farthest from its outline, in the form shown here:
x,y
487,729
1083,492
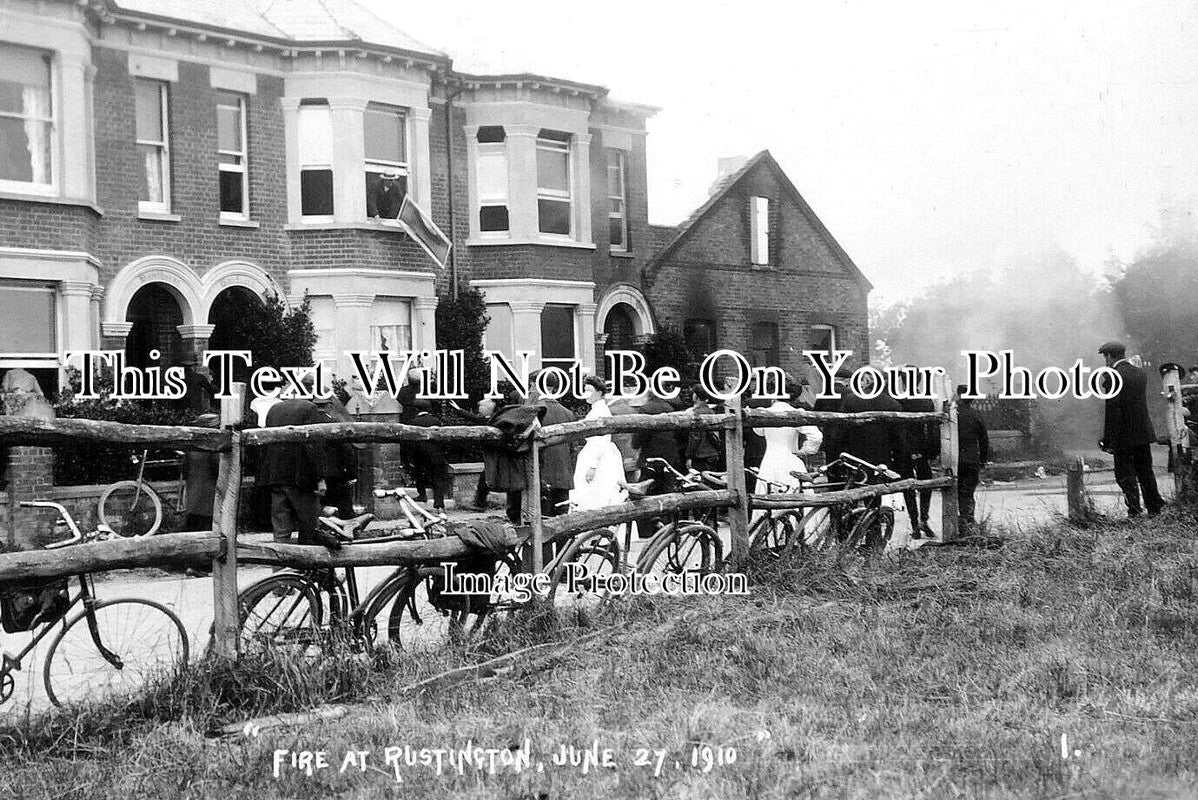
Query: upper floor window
x,y
26,119
151,99
554,208
759,212
232,151
491,168
386,148
316,159
617,198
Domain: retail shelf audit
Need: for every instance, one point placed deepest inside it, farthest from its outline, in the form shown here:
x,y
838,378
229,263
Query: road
x,y
1021,504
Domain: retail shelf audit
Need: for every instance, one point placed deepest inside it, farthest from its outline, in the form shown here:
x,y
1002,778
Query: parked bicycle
x,y
109,648
686,540
132,507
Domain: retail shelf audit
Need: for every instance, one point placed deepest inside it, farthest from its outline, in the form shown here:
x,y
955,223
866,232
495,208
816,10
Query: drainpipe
x,y
453,245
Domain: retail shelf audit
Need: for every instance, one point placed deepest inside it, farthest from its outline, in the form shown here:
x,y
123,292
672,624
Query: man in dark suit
x,y
295,473
973,451
876,442
1127,433
429,464
921,442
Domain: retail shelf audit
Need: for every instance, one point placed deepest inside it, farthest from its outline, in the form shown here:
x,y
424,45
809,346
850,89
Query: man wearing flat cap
x,y
1127,433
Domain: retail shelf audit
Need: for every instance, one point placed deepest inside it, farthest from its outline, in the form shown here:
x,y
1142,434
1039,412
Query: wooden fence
x,y
224,550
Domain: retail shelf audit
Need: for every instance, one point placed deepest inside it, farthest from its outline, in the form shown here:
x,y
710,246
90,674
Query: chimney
x,y
724,167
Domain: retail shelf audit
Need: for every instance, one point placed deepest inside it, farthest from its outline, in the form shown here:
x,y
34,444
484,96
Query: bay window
x,y
557,335
554,208
492,168
151,100
29,339
315,124
617,200
26,119
386,148
231,153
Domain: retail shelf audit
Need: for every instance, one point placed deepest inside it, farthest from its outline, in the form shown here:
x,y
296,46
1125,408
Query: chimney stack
x,y
724,167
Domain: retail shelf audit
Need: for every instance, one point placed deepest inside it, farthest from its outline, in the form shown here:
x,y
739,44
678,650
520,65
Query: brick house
x,y
165,164
754,270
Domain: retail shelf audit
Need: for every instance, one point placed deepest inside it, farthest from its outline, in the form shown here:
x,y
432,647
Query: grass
x,y
946,672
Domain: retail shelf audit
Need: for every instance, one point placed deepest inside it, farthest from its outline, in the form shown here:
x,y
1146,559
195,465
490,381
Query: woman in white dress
x,y
599,471
784,453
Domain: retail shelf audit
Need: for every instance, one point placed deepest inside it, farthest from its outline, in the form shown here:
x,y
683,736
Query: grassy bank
x,y
941,673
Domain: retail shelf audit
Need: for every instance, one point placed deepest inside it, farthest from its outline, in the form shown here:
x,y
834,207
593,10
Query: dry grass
x,y
948,672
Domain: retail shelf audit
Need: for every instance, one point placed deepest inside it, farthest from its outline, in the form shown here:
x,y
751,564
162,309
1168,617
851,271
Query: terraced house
x,y
166,164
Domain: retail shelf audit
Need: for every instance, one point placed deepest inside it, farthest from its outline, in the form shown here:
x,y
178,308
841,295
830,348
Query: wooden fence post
x,y
1076,502
950,514
734,461
532,503
225,622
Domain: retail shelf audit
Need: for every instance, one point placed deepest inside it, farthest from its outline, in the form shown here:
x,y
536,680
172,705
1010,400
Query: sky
x,y
931,138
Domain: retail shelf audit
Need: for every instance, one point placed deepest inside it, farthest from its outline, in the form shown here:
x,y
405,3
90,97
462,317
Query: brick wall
x,y
710,275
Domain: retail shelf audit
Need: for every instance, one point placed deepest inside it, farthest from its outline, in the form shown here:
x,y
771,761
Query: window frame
x,y
242,166
321,166
563,361
392,328
759,230
40,360
621,166
485,151
163,145
831,329
34,187
544,144
382,166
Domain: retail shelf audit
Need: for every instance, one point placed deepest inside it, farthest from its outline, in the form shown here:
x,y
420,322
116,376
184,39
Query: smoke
x,y
1041,306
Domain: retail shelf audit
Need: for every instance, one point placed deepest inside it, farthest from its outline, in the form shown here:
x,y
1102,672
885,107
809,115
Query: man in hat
x,y
1127,433
973,451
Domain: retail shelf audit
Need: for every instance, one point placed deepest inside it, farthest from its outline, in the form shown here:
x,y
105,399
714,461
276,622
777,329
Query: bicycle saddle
x,y
347,529
639,489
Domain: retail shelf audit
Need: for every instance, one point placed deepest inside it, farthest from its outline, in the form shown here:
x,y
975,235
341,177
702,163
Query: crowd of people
x,y
299,480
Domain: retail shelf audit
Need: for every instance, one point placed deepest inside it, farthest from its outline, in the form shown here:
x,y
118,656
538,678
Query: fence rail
x,y
225,550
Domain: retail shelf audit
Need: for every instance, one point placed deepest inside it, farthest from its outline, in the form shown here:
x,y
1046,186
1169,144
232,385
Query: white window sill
x,y
159,216
543,242
239,223
365,225
621,254
51,200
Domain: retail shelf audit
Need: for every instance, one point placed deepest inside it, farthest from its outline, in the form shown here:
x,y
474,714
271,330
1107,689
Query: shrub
x,y
461,323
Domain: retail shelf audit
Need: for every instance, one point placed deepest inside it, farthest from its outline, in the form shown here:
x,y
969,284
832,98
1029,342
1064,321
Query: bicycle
x,y
110,648
683,543
297,609
132,507
774,532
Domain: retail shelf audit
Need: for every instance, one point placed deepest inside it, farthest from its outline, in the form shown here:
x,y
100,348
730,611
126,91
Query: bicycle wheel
x,y
816,529
681,548
114,648
868,532
587,560
769,535
282,611
131,508
417,625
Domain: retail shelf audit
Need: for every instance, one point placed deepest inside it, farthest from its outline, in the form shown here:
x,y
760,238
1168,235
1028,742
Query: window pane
x,y
150,159
616,231
493,218
28,312
230,192
148,99
228,124
492,176
557,331
765,344
384,132
316,192
554,216
822,339
384,196
553,170
24,150
700,337
24,81
491,133
315,135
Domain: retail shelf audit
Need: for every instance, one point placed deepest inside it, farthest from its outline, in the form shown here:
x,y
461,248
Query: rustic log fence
x,y
224,550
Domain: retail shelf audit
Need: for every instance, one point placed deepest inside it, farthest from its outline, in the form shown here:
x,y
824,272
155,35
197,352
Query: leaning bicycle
x,y
106,649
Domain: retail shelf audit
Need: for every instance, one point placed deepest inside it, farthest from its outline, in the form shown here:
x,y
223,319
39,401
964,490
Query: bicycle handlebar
x,y
76,534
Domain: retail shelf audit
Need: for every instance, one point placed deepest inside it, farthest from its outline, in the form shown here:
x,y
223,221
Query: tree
x,y
276,335
461,324
1156,297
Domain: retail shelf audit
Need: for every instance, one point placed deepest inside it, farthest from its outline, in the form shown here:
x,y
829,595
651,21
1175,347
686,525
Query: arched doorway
x,y
232,310
620,328
156,315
